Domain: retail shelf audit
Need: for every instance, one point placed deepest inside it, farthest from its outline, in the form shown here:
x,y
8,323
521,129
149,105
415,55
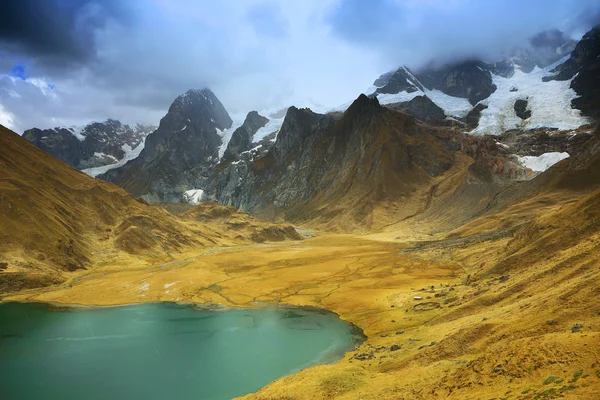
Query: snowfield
x,y
193,196
130,154
543,162
227,133
274,125
549,103
387,98
452,106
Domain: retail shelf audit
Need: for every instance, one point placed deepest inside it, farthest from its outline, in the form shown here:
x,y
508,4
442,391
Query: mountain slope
x,y
363,170
55,220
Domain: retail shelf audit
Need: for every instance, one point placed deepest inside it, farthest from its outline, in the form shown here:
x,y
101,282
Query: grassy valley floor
x,y
522,334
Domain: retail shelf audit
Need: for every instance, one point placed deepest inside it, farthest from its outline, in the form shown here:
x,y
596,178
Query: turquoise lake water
x,y
159,350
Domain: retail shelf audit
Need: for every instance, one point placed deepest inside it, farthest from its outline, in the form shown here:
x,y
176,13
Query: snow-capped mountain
x,y
529,89
93,148
514,118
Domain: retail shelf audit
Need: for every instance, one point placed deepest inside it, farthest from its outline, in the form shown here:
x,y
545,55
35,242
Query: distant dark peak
x,y
255,121
399,81
383,79
305,114
278,114
455,64
195,95
366,100
201,105
363,103
505,68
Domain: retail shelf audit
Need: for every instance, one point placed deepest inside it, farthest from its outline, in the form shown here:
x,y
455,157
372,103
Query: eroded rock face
x,y
97,144
539,141
345,166
181,153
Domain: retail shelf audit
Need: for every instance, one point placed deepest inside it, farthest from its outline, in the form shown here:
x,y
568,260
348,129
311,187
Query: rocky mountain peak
x,y
363,106
200,105
400,80
241,139
255,121
298,123
181,153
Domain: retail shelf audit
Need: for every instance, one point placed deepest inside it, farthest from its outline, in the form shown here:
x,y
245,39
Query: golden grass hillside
x,y
510,300
55,220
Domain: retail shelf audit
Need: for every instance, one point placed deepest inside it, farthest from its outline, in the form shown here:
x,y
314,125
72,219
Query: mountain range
x,y
367,164
93,146
451,212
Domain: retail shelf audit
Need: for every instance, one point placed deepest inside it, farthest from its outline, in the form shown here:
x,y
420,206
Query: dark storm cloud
x,y
415,32
58,32
66,62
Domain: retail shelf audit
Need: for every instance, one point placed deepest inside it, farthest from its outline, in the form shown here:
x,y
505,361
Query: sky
x,y
70,62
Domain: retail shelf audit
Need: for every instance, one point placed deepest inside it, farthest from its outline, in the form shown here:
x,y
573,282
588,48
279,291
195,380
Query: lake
x,y
160,350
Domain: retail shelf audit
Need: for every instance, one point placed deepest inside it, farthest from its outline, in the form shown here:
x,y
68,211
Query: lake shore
x,y
410,350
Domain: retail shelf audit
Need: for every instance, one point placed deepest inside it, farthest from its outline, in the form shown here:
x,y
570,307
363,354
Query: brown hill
x,y
55,220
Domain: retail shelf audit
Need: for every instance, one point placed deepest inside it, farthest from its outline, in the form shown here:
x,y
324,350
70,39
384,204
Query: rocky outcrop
x,y
521,109
241,139
181,153
536,142
96,144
